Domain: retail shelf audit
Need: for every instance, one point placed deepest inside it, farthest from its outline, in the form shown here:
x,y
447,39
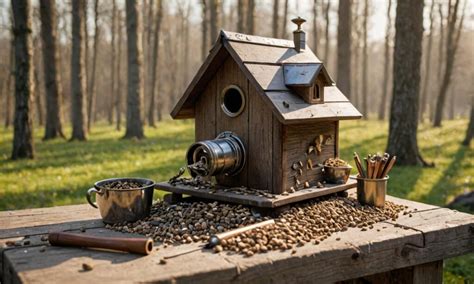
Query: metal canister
x,y
223,155
372,191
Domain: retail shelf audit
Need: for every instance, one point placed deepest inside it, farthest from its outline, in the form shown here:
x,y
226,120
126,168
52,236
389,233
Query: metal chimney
x,y
299,36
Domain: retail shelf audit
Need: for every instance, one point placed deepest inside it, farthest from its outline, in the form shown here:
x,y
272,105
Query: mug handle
x,y
89,193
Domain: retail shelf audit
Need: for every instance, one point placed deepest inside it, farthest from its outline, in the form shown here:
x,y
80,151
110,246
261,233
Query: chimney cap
x,y
298,21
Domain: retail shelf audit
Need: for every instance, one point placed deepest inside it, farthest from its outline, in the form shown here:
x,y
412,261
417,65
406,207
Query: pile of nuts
x,y
189,222
335,162
308,222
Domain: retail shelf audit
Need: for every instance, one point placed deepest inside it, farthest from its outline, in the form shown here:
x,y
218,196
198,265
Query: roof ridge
x,y
254,39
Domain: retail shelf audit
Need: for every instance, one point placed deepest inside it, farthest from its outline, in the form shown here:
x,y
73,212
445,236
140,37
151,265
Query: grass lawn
x,y
63,171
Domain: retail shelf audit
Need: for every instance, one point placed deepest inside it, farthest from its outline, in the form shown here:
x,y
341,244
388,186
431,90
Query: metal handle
x,y
89,192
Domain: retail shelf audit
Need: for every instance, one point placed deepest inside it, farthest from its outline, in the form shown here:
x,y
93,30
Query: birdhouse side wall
x,y
254,126
297,146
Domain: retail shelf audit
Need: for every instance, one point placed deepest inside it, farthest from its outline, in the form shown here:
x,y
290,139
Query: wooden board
x,y
230,74
205,110
268,77
302,75
253,200
254,53
343,256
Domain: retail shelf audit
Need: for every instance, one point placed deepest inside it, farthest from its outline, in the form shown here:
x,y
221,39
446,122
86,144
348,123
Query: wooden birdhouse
x,y
266,116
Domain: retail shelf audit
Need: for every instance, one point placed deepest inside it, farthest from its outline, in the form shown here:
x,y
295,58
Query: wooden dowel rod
x,y
389,166
359,165
133,245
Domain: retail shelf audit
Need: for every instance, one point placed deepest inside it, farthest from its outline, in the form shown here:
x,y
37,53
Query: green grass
x,y
63,171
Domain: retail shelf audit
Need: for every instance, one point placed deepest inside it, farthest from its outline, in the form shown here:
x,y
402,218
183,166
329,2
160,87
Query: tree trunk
x,y
251,17
38,101
327,44
275,18
113,60
355,49
452,41
135,83
118,101
156,46
11,72
440,59
315,27
470,127
285,20
78,84
365,64
92,86
385,91
204,24
86,50
214,9
424,89
23,146
402,139
53,89
344,48
240,16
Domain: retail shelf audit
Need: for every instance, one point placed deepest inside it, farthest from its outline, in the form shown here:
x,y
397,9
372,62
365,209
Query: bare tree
x,y
251,17
452,43
402,139
134,127
86,49
204,32
285,20
470,127
344,47
275,18
214,9
78,93
118,100
23,146
53,89
11,72
365,61
156,46
356,51
386,66
240,16
326,33
113,63
424,89
315,27
38,98
92,85
440,60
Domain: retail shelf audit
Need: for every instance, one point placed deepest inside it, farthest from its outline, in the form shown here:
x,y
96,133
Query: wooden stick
x,y
370,169
382,166
366,167
134,245
389,166
359,165
216,239
378,160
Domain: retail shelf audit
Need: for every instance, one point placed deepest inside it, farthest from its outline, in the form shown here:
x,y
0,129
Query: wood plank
x,y
302,75
333,94
259,151
230,74
271,54
205,109
253,200
232,36
277,152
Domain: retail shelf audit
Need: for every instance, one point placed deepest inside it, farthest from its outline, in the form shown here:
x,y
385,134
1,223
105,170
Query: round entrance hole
x,y
232,101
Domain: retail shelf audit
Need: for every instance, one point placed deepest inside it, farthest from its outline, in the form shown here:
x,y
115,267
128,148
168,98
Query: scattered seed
x,y
87,267
163,261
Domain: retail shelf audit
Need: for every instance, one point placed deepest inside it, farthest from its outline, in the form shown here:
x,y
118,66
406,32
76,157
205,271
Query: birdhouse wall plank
x,y
230,74
277,156
205,111
260,142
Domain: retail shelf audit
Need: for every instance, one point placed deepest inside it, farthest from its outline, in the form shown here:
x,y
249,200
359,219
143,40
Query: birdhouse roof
x,y
272,66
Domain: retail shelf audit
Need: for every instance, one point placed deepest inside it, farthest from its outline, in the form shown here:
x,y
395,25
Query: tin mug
x,y
122,205
372,191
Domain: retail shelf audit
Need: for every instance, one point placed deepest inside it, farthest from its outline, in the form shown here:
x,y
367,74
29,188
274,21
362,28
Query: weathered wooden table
x,y
410,250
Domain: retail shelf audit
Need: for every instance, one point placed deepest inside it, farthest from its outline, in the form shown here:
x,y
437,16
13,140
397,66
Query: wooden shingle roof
x,y
263,61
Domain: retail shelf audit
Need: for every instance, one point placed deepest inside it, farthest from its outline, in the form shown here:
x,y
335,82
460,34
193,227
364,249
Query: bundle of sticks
x,y
377,166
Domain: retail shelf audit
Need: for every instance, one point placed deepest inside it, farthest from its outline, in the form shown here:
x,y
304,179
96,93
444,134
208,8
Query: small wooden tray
x,y
253,200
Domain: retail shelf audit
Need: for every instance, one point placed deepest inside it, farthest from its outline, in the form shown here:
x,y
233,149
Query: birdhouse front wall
x,y
254,125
